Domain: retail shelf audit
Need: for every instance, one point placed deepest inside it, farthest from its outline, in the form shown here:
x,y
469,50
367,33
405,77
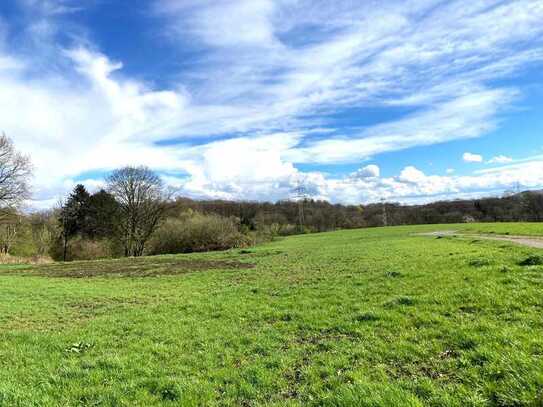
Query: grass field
x,y
374,317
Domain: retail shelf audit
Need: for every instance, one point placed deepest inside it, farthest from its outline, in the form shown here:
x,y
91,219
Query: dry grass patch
x,y
144,267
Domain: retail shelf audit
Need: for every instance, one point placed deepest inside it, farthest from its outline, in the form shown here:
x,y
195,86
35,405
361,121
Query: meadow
x,y
368,317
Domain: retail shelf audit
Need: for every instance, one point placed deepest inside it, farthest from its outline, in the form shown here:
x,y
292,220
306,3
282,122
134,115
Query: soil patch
x,y
132,268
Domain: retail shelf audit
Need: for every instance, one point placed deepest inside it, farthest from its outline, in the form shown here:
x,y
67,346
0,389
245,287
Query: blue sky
x,y
410,101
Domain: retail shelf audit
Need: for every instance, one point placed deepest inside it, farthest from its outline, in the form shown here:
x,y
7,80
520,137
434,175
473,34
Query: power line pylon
x,y
300,194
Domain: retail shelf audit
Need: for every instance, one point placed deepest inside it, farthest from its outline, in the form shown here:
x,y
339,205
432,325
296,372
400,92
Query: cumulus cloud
x,y
96,123
369,171
241,167
500,159
472,158
414,186
411,175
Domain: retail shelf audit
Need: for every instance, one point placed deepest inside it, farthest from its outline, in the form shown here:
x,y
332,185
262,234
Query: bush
x,y
195,232
268,233
83,249
289,230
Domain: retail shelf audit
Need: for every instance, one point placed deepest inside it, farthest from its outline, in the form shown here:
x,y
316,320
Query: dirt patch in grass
x,y
132,268
366,317
402,300
479,262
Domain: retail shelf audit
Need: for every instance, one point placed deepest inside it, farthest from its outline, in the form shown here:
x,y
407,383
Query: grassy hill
x,y
374,317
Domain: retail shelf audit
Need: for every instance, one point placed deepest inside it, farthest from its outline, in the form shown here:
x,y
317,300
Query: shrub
x,y
195,232
266,233
83,249
289,230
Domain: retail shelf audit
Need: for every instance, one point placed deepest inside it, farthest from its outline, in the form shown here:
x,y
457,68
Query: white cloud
x,y
95,123
390,55
52,7
241,167
500,159
369,171
225,23
472,158
466,117
269,74
413,186
411,175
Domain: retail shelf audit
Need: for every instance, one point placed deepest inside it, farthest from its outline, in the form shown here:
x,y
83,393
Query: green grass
x,y
374,317
523,229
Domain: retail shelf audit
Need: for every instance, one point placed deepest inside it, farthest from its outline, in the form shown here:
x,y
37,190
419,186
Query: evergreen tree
x,y
73,216
102,216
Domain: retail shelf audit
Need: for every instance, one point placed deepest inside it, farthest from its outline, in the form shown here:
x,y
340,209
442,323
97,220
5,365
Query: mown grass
x,y
375,317
522,229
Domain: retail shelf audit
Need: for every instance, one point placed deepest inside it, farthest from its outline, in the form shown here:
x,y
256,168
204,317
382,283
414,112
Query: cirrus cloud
x,y
265,89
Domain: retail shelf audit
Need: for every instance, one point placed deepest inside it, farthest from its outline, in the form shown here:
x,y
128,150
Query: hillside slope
x,y
374,317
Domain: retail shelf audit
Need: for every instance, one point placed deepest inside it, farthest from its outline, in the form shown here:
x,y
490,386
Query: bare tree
x,y
44,228
141,196
15,174
10,224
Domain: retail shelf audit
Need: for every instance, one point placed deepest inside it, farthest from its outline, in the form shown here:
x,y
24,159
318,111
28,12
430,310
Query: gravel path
x,y
528,241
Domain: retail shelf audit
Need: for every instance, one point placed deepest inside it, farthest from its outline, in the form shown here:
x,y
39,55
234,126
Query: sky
x,y
355,100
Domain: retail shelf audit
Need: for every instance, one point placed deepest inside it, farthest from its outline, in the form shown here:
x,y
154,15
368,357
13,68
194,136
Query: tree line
x,y
135,214
524,206
321,216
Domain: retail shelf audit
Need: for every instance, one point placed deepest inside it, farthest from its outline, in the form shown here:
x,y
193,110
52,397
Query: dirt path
x,y
528,241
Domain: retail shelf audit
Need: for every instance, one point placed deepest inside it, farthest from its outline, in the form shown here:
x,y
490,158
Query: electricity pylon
x,y
299,193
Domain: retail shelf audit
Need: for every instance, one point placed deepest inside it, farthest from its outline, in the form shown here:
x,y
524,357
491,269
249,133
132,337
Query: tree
x,y
102,215
15,174
532,205
73,216
142,198
44,229
80,199
9,228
